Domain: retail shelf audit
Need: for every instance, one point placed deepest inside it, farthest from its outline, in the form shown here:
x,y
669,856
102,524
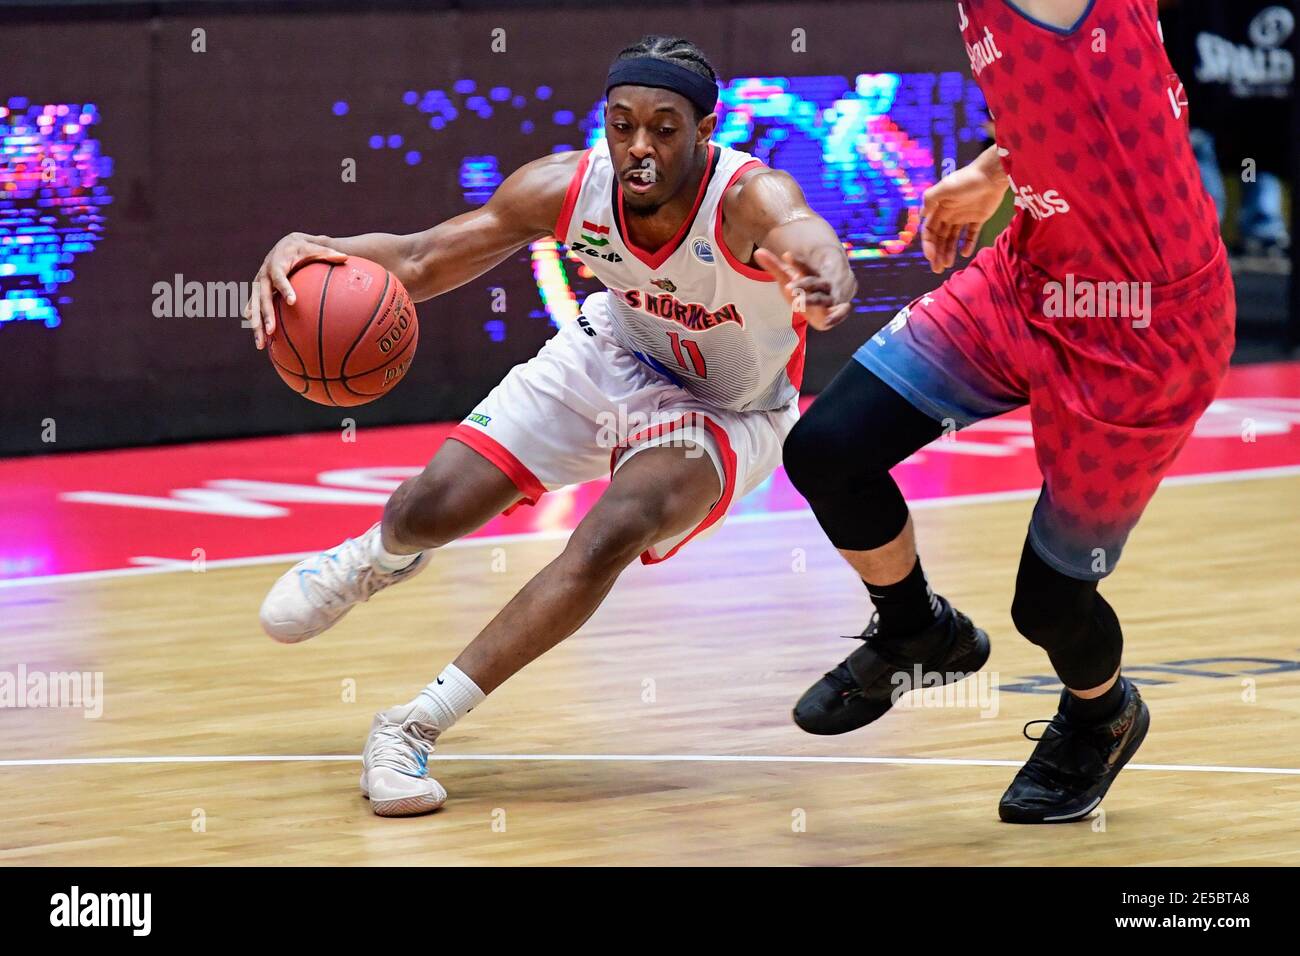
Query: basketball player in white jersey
x,y
714,267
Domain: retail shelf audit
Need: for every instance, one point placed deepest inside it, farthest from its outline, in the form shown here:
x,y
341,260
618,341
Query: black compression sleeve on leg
x,y
839,454
1067,618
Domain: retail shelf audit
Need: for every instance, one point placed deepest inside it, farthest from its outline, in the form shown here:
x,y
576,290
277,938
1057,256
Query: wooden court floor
x,y
692,668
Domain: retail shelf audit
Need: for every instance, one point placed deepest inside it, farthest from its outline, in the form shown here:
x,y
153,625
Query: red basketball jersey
x,y
1092,127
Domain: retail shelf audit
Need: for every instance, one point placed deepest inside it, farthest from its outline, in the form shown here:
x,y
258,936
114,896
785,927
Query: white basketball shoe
x,y
312,595
394,776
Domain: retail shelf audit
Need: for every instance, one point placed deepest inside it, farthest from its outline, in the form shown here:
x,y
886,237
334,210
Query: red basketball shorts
x,y
1115,375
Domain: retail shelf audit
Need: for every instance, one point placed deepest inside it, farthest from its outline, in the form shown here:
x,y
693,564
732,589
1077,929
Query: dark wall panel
x,y
206,158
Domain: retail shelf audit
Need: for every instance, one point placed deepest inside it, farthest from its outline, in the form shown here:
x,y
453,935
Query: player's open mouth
x,y
639,180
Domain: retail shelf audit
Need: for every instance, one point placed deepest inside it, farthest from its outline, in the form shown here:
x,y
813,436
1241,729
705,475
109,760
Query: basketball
x,y
350,335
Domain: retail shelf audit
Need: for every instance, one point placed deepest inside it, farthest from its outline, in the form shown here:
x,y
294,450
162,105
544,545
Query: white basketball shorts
x,y
584,405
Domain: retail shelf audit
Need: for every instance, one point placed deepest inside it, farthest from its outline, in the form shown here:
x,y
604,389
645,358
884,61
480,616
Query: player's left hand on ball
x,y
823,302
273,278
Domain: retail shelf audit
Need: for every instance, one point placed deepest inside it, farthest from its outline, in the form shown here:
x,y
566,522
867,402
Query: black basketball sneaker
x,y
1074,764
869,681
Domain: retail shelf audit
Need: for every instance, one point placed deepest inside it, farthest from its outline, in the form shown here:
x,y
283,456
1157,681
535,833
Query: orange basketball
x,y
350,335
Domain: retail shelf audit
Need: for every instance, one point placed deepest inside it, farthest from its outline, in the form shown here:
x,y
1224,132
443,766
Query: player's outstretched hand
x,y
291,251
956,208
824,303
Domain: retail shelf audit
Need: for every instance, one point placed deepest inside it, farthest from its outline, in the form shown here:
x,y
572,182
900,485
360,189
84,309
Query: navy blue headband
x,y
664,75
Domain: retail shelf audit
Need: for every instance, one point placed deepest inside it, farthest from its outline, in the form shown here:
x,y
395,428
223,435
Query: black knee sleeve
x,y
839,454
1067,618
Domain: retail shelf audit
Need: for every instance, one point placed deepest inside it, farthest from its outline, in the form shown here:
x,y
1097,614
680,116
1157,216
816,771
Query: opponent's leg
x,y
458,492
1101,719
1102,451
839,457
1070,620
657,494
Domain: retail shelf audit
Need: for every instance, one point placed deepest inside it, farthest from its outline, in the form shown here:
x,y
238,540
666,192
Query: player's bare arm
x,y
957,206
767,218
437,260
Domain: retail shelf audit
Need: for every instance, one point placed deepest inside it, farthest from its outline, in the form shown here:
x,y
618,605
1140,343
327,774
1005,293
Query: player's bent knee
x,y
603,552
621,530
1085,644
1050,624
811,458
424,510
410,514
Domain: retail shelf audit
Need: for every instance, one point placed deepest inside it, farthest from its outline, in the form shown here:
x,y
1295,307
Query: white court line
x,y
920,504
620,758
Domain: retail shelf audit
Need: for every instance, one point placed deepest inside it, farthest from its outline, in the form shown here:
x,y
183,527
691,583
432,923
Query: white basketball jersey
x,y
690,309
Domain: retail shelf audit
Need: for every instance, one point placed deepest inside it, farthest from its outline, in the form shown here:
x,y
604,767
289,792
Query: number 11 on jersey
x,y
692,349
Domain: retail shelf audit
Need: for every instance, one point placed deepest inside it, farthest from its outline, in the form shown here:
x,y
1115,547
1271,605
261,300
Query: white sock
x,y
447,699
386,559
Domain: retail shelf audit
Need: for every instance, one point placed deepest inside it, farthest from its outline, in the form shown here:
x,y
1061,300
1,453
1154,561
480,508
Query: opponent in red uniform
x,y
1106,306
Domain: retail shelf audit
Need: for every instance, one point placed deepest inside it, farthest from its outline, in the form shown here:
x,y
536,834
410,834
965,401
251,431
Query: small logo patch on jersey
x,y
666,284
479,419
595,235
586,250
702,250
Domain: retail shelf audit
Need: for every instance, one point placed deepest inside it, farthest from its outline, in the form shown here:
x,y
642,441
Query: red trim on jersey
x,y
571,197
499,455
794,367
728,467
657,258
749,272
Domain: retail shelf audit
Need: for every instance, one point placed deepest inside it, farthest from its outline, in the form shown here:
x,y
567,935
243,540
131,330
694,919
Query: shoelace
x,y
328,585
1062,726
400,749
1047,774
1025,729
840,676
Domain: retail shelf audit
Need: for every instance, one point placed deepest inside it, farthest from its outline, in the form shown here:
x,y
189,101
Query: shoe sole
x,y
1009,813
407,807
403,807
297,637
975,661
